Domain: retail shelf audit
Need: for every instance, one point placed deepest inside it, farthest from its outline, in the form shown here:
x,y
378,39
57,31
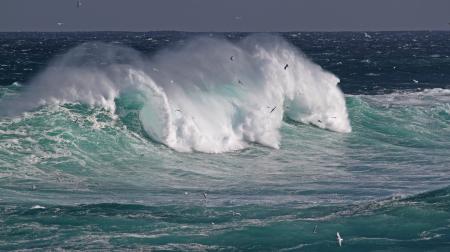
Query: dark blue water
x,y
395,58
91,160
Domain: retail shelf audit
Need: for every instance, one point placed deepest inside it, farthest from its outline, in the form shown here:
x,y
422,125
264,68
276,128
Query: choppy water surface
x,y
180,141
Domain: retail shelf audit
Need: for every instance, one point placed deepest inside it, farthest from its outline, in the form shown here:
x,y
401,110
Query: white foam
x,y
425,97
37,207
199,99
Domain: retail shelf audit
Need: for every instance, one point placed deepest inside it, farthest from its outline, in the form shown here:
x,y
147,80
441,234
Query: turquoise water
x,y
80,176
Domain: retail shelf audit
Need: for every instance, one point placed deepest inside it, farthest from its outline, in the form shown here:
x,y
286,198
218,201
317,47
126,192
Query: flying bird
x,y
286,66
235,213
339,239
231,58
273,109
315,229
59,23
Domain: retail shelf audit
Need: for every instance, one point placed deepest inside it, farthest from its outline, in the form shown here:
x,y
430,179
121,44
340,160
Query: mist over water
x,y
209,95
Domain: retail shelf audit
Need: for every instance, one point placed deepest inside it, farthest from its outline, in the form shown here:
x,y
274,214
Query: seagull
x,y
286,66
415,81
339,239
235,213
59,23
33,187
240,82
204,195
231,58
315,229
367,35
273,109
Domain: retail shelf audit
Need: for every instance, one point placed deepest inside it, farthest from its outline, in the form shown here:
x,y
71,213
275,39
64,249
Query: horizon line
x,y
291,31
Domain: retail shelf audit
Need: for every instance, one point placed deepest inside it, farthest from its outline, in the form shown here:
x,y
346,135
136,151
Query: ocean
x,y
176,141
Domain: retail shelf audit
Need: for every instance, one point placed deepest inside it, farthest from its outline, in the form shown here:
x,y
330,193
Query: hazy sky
x,y
224,15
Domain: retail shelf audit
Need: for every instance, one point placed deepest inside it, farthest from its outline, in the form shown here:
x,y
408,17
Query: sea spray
x,y
209,95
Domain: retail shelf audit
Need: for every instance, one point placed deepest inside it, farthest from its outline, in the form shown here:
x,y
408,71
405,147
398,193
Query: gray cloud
x,y
221,15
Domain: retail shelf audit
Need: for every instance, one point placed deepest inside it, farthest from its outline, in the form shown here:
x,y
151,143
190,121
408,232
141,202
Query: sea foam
x,y
209,95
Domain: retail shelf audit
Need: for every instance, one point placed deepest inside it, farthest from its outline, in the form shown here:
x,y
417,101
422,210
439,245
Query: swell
x,y
209,95
417,119
408,224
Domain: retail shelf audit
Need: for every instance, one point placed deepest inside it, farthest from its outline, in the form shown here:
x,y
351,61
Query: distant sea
x,y
174,141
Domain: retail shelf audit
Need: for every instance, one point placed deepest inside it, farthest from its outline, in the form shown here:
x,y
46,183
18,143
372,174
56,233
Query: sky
x,y
224,15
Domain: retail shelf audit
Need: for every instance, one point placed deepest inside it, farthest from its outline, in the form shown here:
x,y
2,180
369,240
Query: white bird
x,y
59,23
339,239
315,229
415,81
235,213
367,35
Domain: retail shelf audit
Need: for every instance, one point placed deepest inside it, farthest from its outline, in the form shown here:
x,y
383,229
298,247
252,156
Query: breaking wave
x,y
208,95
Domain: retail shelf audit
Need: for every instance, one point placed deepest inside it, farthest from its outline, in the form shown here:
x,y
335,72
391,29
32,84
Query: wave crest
x,y
208,95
